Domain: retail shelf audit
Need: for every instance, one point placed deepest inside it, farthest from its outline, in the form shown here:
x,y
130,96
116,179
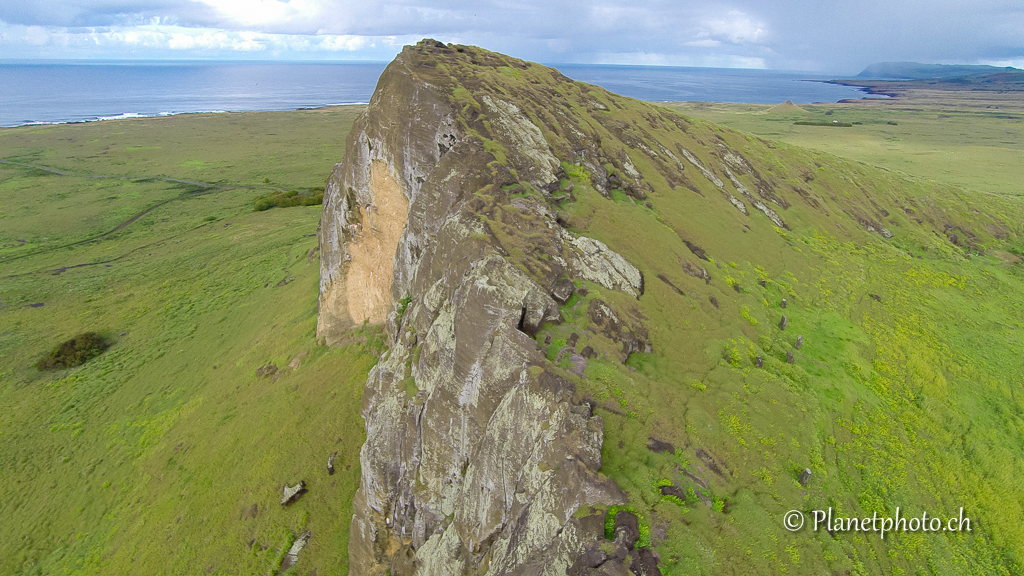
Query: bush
x,y
74,352
286,199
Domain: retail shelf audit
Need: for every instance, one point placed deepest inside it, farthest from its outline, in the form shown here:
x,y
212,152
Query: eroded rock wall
x,y
478,459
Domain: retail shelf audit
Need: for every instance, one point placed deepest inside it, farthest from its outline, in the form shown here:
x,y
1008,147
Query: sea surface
x,y
54,92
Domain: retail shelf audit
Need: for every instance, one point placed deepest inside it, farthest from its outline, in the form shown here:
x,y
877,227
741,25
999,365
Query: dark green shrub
x,y
286,199
74,352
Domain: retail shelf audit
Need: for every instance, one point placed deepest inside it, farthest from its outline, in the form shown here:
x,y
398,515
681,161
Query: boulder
x,y
293,493
759,362
644,562
805,477
799,342
627,529
563,290
293,553
783,323
673,491
579,364
655,445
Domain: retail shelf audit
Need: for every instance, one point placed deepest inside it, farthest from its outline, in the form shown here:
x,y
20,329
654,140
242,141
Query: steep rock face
x,y
477,459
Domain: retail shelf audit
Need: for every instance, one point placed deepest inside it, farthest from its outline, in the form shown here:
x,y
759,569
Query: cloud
x,y
177,41
781,34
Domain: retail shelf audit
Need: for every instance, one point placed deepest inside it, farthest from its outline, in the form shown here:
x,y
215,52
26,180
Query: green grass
x,y
143,459
956,141
903,401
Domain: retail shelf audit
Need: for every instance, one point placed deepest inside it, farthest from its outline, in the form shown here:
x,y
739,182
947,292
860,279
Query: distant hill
x,y
918,71
786,107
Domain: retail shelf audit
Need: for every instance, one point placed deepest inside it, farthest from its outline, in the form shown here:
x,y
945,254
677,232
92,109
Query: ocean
x,y
55,92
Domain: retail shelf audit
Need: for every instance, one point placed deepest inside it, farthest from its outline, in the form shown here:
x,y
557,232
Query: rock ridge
x,y
478,459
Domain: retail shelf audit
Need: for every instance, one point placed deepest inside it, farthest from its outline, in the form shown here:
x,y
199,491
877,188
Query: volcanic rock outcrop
x,y
499,221
439,222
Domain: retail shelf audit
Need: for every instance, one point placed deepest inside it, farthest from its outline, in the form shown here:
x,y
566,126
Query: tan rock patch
x,y
368,282
363,293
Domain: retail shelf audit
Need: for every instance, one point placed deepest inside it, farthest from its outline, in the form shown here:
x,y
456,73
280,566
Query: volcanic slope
x,y
618,336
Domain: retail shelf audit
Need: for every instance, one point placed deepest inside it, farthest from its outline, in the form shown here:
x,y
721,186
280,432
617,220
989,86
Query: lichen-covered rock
x,y
292,493
443,201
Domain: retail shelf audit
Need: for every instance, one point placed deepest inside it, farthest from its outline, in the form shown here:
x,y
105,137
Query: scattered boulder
x,y
627,528
783,323
759,362
588,352
644,562
805,477
563,290
799,342
538,308
293,553
783,302
876,297
789,357
266,371
330,464
293,493
573,339
728,358
579,364
632,335
764,284
714,301
673,491
655,445
593,557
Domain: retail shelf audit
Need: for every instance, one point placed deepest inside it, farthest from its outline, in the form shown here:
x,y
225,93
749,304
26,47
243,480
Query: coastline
x,y
133,115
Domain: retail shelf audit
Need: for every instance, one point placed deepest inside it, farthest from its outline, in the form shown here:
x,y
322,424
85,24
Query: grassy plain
x,y
150,458
974,140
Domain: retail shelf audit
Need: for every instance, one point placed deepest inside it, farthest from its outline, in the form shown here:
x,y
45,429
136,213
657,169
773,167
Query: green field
x,y
143,460
975,144
148,459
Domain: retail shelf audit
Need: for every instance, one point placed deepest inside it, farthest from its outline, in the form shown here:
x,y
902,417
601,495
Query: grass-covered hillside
x,y
893,372
167,453
149,458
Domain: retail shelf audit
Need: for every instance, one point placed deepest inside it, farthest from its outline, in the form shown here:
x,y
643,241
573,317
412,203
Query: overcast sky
x,y
828,36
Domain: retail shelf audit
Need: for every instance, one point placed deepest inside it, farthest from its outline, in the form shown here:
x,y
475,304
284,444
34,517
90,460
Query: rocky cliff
x,y
523,237
477,457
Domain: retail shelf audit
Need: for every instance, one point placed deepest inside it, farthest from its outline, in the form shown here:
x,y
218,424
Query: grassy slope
x,y
143,460
911,400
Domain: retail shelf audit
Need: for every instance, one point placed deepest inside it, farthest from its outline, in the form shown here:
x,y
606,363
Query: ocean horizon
x,y
56,92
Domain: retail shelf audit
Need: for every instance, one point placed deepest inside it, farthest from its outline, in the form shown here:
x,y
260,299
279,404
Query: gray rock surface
x,y
484,470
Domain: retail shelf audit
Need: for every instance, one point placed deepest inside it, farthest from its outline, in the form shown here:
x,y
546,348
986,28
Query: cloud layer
x,y
780,34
